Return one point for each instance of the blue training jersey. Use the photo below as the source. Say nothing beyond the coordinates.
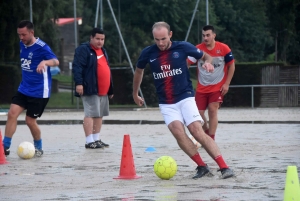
(170, 71)
(35, 84)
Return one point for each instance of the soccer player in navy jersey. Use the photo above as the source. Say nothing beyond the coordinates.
(167, 60)
(35, 88)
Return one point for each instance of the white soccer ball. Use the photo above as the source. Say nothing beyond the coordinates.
(26, 150)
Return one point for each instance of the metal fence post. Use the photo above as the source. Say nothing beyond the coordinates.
(252, 97)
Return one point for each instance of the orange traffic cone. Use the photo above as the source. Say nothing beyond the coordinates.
(2, 155)
(127, 168)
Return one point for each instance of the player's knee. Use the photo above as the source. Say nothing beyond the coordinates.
(12, 114)
(201, 111)
(30, 121)
(213, 110)
(213, 106)
(195, 128)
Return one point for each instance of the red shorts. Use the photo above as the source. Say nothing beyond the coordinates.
(203, 99)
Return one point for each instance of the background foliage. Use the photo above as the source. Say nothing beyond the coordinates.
(248, 27)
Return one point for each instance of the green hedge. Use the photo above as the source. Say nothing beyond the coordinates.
(123, 87)
(245, 74)
(10, 78)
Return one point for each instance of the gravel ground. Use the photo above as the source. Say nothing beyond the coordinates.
(259, 153)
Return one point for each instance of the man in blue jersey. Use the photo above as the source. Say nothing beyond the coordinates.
(167, 60)
(34, 90)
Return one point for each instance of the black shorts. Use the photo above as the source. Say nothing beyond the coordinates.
(34, 106)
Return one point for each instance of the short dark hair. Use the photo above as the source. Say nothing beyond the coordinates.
(208, 27)
(27, 24)
(97, 31)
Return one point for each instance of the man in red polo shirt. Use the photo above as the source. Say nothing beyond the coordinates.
(91, 68)
(211, 87)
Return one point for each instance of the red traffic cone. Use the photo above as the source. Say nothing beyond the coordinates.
(127, 168)
(2, 155)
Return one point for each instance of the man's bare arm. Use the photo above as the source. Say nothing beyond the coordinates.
(207, 62)
(42, 66)
(225, 88)
(207, 58)
(51, 62)
(231, 69)
(137, 80)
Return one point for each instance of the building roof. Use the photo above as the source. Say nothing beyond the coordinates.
(63, 21)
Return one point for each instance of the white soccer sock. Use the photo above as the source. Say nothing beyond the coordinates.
(89, 138)
(96, 136)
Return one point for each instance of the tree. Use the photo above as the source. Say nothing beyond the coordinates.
(44, 15)
(140, 16)
(248, 27)
(244, 27)
(293, 50)
(11, 12)
(282, 16)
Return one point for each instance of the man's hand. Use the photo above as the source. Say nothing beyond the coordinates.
(224, 89)
(41, 67)
(208, 67)
(138, 100)
(110, 96)
(79, 89)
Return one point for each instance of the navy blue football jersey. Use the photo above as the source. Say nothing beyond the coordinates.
(170, 71)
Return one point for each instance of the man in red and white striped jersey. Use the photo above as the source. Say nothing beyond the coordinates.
(212, 86)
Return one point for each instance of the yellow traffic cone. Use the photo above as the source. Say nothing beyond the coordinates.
(292, 187)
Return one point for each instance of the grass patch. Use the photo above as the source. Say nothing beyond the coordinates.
(63, 100)
(194, 83)
(63, 78)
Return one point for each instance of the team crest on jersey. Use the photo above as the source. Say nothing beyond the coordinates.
(175, 55)
(218, 51)
(30, 55)
(25, 64)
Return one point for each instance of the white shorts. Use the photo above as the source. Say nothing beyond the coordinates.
(95, 106)
(185, 111)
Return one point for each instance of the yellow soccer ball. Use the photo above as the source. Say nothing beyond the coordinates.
(165, 167)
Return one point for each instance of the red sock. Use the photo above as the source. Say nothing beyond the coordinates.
(210, 135)
(197, 159)
(220, 161)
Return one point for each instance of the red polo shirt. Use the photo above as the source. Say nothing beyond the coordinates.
(103, 73)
